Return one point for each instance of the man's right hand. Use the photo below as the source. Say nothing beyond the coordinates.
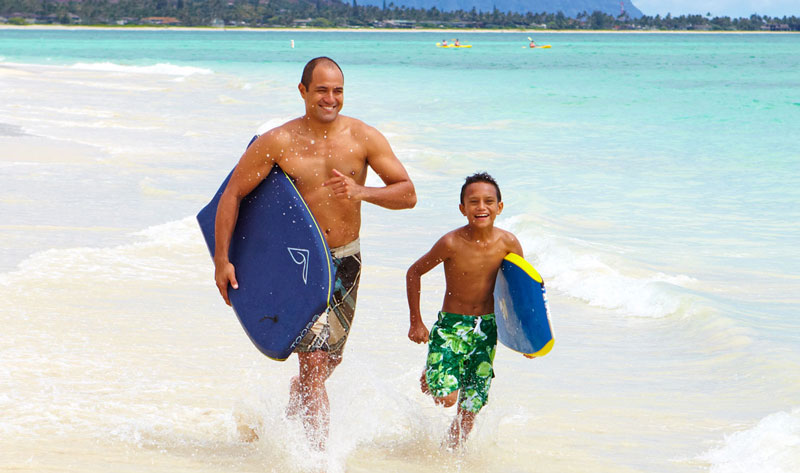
(225, 275)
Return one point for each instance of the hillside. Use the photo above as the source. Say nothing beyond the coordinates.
(571, 8)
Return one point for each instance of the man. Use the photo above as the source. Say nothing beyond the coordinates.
(327, 155)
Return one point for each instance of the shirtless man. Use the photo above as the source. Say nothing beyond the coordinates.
(327, 155)
(462, 342)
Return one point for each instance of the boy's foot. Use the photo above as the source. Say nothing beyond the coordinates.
(423, 384)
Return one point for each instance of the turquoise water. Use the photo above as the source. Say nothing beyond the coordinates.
(653, 179)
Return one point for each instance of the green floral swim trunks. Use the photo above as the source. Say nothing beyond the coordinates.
(460, 355)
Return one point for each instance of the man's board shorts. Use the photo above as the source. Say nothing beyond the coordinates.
(329, 332)
(460, 355)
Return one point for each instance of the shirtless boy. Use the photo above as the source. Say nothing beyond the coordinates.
(462, 342)
(327, 155)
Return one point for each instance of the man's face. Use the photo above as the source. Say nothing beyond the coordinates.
(480, 204)
(325, 94)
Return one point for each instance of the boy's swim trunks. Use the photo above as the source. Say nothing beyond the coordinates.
(329, 332)
(460, 355)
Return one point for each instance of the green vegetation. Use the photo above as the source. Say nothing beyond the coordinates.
(334, 13)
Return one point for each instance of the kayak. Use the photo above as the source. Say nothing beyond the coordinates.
(453, 45)
(545, 46)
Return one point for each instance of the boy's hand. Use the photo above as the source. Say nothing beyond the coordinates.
(418, 333)
(529, 356)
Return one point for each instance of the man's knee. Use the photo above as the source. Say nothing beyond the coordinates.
(334, 361)
(312, 364)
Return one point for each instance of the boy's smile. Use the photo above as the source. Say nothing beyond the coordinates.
(481, 206)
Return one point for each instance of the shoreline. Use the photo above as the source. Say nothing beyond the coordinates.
(376, 30)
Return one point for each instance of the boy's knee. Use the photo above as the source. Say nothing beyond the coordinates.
(447, 401)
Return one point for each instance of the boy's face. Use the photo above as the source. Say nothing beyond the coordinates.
(480, 204)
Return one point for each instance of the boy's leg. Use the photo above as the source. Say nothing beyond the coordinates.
(443, 366)
(460, 427)
(446, 401)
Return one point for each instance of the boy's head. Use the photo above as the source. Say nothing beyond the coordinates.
(480, 177)
(480, 200)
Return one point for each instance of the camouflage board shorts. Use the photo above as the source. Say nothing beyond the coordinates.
(460, 356)
(329, 333)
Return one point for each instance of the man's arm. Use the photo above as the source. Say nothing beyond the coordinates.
(253, 167)
(417, 332)
(398, 193)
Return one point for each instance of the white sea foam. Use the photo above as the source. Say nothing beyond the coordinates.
(160, 68)
(167, 252)
(270, 124)
(771, 446)
(600, 278)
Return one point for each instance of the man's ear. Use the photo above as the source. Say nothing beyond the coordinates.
(302, 90)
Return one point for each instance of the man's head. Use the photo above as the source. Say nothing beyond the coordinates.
(322, 89)
(481, 201)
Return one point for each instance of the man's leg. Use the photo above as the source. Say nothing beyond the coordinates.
(308, 396)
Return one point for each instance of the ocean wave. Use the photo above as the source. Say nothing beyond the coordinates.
(600, 278)
(160, 68)
(170, 252)
(771, 446)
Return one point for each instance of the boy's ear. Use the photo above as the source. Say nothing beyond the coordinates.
(462, 209)
(499, 207)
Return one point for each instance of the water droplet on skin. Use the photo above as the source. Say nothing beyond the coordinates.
(312, 142)
(351, 150)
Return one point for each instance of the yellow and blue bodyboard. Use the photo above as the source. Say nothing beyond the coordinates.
(520, 306)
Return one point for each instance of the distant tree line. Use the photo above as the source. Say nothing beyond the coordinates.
(334, 13)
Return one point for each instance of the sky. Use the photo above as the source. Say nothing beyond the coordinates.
(731, 8)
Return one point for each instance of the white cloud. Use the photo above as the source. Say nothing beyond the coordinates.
(731, 8)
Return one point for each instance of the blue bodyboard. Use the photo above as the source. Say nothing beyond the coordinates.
(283, 264)
(520, 306)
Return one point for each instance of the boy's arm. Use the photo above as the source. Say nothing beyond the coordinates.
(417, 332)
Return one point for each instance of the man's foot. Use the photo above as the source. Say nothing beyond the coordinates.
(246, 432)
(296, 406)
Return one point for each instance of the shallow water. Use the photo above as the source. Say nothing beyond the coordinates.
(652, 180)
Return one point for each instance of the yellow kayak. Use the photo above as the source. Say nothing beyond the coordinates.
(546, 46)
(440, 45)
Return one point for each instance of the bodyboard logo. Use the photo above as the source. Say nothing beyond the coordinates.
(300, 256)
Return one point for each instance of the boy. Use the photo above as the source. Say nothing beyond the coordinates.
(462, 342)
